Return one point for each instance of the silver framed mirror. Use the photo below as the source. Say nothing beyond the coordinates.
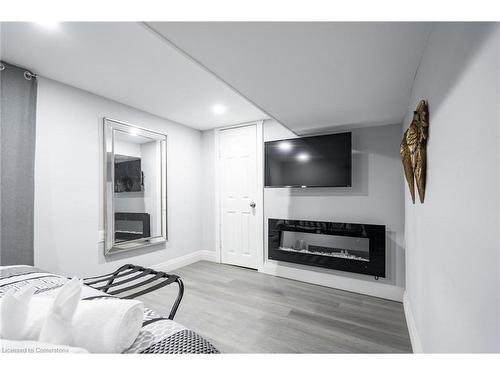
(135, 187)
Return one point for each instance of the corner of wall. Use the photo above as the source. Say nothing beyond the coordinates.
(416, 344)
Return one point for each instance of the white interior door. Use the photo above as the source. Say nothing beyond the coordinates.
(238, 191)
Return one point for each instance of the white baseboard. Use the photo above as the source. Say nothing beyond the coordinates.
(416, 344)
(186, 260)
(386, 291)
(210, 256)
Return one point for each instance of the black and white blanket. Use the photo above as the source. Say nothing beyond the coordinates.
(158, 334)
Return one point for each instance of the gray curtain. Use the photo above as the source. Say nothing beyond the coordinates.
(17, 163)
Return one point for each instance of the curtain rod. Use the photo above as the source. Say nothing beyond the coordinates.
(27, 74)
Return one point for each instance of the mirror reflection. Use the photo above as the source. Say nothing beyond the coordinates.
(136, 191)
(137, 187)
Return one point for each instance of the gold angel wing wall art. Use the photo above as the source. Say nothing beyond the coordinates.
(421, 152)
(420, 171)
(404, 151)
(413, 151)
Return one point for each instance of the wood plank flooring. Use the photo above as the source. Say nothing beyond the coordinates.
(243, 311)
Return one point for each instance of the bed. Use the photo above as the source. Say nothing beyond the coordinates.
(159, 334)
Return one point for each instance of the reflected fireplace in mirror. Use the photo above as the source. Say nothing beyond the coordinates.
(132, 226)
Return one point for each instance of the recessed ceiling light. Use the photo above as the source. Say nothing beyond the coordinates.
(219, 109)
(303, 156)
(50, 25)
(285, 146)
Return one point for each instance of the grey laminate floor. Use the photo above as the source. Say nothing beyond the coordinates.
(243, 311)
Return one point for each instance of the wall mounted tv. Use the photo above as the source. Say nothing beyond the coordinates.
(320, 161)
(128, 174)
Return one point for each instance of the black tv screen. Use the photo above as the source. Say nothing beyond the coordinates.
(128, 174)
(320, 161)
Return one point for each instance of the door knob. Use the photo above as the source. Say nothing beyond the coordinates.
(252, 204)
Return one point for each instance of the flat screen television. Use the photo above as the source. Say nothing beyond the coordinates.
(128, 174)
(320, 161)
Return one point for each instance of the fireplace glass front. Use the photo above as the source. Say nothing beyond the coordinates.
(350, 247)
(354, 248)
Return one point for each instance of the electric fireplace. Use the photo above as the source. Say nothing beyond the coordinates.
(358, 248)
(132, 226)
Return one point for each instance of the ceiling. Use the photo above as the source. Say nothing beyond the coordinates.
(311, 76)
(129, 63)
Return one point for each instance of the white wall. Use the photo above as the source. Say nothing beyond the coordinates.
(376, 197)
(452, 243)
(68, 182)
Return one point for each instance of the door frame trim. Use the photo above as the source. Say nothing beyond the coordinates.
(259, 193)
